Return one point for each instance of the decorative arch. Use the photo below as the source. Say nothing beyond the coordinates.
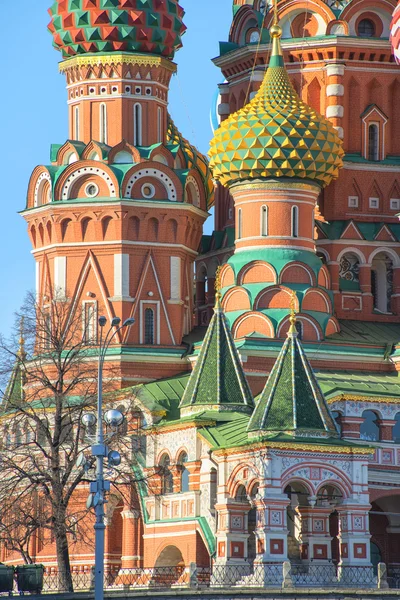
(236, 298)
(43, 188)
(86, 169)
(234, 481)
(172, 230)
(39, 175)
(253, 322)
(162, 155)
(244, 19)
(297, 272)
(318, 300)
(124, 147)
(389, 251)
(324, 277)
(227, 275)
(274, 297)
(352, 250)
(193, 187)
(67, 154)
(311, 329)
(92, 150)
(332, 326)
(257, 271)
(161, 173)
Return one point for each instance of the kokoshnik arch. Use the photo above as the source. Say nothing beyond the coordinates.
(272, 411)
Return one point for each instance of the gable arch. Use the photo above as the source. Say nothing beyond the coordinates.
(227, 275)
(253, 322)
(124, 147)
(40, 174)
(244, 19)
(257, 271)
(275, 296)
(92, 151)
(162, 155)
(236, 298)
(43, 189)
(157, 171)
(324, 277)
(332, 326)
(67, 154)
(87, 169)
(311, 329)
(194, 190)
(297, 272)
(318, 300)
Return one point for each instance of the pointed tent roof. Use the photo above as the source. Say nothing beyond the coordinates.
(292, 401)
(217, 381)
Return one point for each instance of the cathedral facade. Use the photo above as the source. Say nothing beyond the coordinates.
(271, 407)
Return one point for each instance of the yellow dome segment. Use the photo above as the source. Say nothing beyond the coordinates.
(276, 134)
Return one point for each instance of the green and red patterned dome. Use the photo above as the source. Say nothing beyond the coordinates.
(94, 26)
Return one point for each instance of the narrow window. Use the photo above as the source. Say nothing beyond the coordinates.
(373, 142)
(103, 123)
(295, 221)
(159, 124)
(137, 125)
(264, 220)
(149, 326)
(240, 224)
(89, 323)
(184, 472)
(76, 123)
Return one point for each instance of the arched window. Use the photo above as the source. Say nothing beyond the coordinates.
(264, 220)
(103, 123)
(167, 481)
(240, 224)
(149, 326)
(159, 124)
(18, 435)
(183, 458)
(76, 123)
(241, 495)
(382, 282)
(299, 329)
(137, 125)
(295, 221)
(369, 429)
(373, 142)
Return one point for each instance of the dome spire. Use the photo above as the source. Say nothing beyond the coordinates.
(276, 35)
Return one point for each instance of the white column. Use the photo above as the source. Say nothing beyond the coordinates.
(121, 276)
(60, 276)
(175, 278)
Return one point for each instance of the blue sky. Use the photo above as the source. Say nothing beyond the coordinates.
(34, 113)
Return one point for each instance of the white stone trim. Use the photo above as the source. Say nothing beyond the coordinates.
(157, 174)
(334, 111)
(332, 70)
(335, 89)
(95, 172)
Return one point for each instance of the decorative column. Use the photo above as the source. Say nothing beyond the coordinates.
(354, 537)
(335, 93)
(130, 539)
(272, 532)
(365, 287)
(386, 429)
(315, 536)
(232, 535)
(351, 427)
(396, 291)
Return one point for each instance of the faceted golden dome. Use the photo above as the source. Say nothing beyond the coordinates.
(276, 134)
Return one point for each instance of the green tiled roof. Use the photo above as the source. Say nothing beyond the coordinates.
(163, 395)
(334, 229)
(218, 379)
(292, 400)
(336, 383)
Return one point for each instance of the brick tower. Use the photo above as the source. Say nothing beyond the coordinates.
(116, 219)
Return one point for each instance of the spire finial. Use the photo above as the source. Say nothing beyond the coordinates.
(217, 286)
(21, 350)
(276, 34)
(292, 318)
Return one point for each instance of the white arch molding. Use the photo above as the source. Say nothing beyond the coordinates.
(45, 176)
(352, 250)
(391, 253)
(162, 177)
(191, 182)
(76, 175)
(299, 318)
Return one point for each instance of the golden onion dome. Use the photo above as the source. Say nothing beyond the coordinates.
(276, 134)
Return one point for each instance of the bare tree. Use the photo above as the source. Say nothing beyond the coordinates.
(51, 382)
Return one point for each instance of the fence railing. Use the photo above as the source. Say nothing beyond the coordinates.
(256, 576)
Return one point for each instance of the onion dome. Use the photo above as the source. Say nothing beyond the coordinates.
(395, 33)
(91, 26)
(194, 158)
(276, 134)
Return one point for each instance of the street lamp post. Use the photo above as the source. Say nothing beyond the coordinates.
(100, 486)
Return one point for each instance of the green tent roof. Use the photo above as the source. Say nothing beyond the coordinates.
(218, 380)
(292, 400)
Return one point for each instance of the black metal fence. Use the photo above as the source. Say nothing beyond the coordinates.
(230, 576)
